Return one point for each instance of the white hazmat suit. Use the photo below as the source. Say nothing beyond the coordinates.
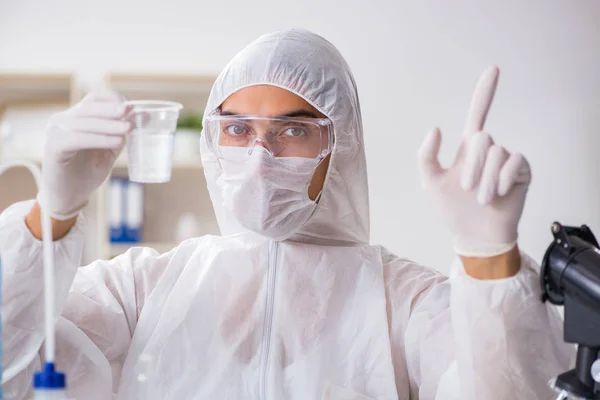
(322, 315)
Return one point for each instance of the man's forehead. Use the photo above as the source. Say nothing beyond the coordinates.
(266, 101)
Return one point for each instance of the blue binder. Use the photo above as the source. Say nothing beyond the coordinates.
(126, 210)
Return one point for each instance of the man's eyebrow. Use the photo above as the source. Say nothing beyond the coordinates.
(291, 114)
(299, 113)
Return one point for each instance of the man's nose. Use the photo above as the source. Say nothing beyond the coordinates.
(258, 141)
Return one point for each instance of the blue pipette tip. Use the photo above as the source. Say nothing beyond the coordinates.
(49, 378)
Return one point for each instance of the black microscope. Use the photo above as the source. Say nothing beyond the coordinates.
(570, 276)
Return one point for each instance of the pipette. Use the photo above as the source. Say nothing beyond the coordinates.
(49, 384)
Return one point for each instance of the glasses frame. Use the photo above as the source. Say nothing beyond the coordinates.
(320, 122)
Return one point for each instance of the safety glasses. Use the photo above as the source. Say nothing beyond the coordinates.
(281, 137)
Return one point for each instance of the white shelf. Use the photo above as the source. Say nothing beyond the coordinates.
(170, 82)
(35, 88)
(190, 90)
(120, 248)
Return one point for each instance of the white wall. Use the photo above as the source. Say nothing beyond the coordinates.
(415, 64)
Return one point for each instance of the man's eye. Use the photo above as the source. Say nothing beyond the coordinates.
(235, 129)
(295, 132)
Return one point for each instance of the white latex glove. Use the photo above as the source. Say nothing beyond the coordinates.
(481, 196)
(82, 145)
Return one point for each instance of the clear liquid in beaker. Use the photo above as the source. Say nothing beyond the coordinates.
(150, 155)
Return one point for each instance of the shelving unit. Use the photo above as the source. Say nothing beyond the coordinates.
(164, 203)
(19, 88)
(26, 101)
(190, 90)
(31, 99)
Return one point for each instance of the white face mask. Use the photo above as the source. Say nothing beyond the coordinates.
(267, 195)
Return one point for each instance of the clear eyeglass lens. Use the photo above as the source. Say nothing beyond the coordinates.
(282, 137)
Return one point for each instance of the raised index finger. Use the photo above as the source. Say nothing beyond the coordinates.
(481, 101)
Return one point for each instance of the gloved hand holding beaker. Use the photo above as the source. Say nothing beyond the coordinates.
(82, 144)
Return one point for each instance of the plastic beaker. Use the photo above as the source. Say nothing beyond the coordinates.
(150, 142)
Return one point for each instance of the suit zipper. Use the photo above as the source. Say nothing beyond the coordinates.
(268, 324)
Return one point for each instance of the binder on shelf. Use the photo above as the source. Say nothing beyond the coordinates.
(134, 212)
(126, 211)
(115, 210)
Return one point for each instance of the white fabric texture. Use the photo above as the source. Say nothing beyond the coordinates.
(323, 315)
(267, 195)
